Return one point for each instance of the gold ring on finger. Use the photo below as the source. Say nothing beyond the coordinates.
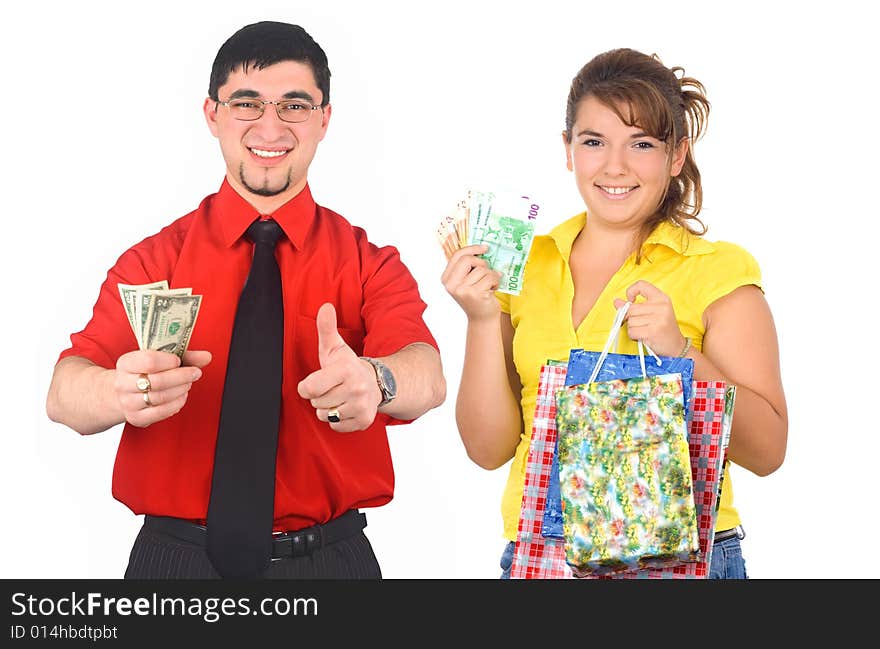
(143, 383)
(147, 399)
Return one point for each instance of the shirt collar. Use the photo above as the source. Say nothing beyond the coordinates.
(679, 239)
(666, 234)
(565, 233)
(235, 215)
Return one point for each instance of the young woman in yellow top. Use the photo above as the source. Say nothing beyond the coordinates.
(630, 127)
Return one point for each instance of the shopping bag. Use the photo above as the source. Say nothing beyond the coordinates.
(538, 557)
(624, 471)
(535, 557)
(581, 365)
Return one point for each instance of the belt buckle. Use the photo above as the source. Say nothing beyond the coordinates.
(298, 544)
(304, 542)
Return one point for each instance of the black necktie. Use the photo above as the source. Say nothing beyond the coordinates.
(240, 512)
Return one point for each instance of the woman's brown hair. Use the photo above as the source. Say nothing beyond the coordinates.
(645, 93)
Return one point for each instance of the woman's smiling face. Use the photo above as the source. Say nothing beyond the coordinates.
(621, 172)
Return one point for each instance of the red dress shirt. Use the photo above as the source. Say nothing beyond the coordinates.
(165, 469)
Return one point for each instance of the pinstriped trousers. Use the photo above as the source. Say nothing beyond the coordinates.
(160, 556)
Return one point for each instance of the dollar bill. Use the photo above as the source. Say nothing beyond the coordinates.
(129, 294)
(161, 318)
(170, 322)
(142, 303)
(506, 224)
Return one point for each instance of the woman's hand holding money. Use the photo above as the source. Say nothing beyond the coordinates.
(471, 283)
(151, 385)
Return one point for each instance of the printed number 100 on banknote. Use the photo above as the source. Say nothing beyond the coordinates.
(505, 223)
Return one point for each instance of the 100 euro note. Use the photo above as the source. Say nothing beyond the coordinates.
(506, 224)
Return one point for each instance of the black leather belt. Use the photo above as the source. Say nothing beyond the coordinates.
(289, 544)
(737, 531)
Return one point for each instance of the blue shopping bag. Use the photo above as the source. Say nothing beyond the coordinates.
(582, 368)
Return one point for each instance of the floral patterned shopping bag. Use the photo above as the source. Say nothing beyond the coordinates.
(538, 557)
(625, 478)
(624, 471)
(581, 365)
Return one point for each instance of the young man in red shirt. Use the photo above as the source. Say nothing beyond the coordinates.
(357, 355)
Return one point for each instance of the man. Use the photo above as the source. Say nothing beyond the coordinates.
(353, 353)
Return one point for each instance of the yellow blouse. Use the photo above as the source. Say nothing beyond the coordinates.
(693, 272)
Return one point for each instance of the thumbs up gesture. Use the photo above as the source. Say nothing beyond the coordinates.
(345, 387)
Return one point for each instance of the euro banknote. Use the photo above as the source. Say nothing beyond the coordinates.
(503, 221)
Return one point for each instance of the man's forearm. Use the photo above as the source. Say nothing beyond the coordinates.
(420, 383)
(81, 396)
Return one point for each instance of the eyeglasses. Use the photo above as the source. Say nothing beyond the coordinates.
(249, 109)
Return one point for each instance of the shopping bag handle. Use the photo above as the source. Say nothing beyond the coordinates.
(614, 335)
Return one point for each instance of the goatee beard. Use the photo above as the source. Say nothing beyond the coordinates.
(264, 190)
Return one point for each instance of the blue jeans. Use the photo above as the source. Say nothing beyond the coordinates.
(727, 560)
(507, 559)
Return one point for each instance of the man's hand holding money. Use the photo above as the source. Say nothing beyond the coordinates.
(151, 385)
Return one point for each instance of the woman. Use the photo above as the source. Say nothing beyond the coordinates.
(630, 127)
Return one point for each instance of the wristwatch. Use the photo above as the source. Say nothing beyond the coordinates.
(385, 379)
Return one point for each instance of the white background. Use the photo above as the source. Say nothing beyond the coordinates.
(104, 143)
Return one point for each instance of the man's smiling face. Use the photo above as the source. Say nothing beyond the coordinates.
(267, 159)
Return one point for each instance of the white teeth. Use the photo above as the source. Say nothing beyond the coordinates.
(268, 154)
(618, 190)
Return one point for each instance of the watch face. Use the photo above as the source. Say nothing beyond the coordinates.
(388, 381)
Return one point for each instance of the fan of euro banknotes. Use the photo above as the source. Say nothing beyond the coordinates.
(161, 318)
(503, 221)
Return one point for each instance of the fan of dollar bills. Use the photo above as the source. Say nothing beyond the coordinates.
(503, 221)
(161, 318)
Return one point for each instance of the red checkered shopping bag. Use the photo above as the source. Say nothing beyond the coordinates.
(536, 557)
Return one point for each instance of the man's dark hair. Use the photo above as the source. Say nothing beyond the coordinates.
(266, 43)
